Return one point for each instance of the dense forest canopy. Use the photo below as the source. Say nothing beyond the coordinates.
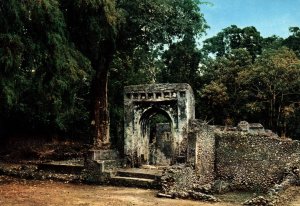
(64, 63)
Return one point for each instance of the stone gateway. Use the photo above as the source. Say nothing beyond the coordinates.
(176, 103)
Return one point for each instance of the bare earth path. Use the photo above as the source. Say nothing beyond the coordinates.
(296, 202)
(290, 197)
(48, 193)
(25, 192)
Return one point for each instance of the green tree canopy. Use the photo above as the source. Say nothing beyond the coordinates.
(293, 41)
(44, 74)
(234, 37)
(181, 62)
(221, 93)
(126, 34)
(273, 85)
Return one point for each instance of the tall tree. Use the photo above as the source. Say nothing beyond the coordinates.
(222, 92)
(293, 41)
(125, 33)
(42, 72)
(181, 62)
(272, 42)
(234, 37)
(93, 28)
(273, 85)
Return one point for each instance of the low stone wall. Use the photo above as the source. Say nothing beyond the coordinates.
(254, 161)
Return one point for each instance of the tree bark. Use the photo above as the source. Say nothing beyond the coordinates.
(101, 112)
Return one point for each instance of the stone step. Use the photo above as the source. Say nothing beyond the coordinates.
(134, 182)
(60, 168)
(138, 174)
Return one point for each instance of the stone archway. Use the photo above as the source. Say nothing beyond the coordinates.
(159, 147)
(141, 102)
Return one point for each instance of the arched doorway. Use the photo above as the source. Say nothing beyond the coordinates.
(156, 126)
(143, 105)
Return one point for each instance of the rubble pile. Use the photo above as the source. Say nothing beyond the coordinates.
(181, 182)
(273, 195)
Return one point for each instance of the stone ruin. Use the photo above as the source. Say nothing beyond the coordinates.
(197, 159)
(245, 157)
(141, 102)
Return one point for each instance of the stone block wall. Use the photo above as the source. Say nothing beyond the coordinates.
(254, 161)
(201, 150)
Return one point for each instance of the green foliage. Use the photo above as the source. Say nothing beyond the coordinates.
(266, 90)
(44, 77)
(247, 77)
(153, 22)
(51, 51)
(181, 62)
(293, 41)
(272, 42)
(234, 38)
(11, 51)
(273, 83)
(92, 26)
(221, 95)
(146, 29)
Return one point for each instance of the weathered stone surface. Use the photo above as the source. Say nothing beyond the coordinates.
(259, 201)
(181, 181)
(243, 126)
(32, 172)
(102, 154)
(141, 102)
(254, 161)
(94, 172)
(201, 150)
(220, 187)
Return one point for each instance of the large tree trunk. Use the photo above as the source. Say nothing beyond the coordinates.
(100, 113)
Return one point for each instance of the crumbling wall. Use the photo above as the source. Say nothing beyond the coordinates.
(254, 161)
(180, 181)
(201, 150)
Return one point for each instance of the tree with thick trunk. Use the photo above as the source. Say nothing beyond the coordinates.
(92, 25)
(100, 113)
(103, 28)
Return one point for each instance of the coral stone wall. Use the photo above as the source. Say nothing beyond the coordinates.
(201, 150)
(254, 161)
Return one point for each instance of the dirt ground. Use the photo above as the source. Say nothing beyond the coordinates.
(50, 193)
(32, 192)
(15, 191)
(291, 196)
(296, 202)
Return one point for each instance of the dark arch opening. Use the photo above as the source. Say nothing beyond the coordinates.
(156, 126)
(148, 115)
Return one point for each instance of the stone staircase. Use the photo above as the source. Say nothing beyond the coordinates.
(104, 166)
(136, 177)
